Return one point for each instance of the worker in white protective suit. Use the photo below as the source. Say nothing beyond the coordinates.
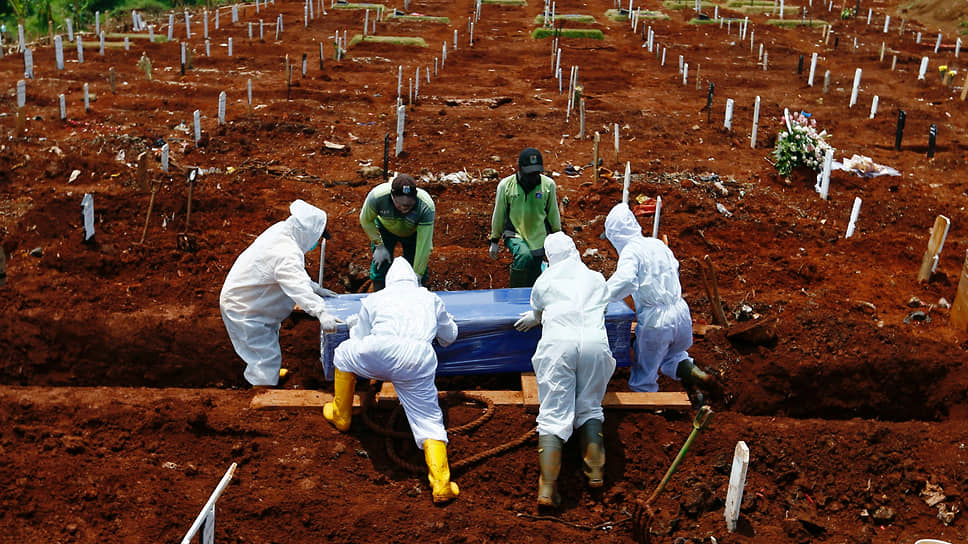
(649, 272)
(267, 280)
(572, 363)
(390, 340)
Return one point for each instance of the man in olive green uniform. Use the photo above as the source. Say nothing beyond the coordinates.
(397, 211)
(525, 211)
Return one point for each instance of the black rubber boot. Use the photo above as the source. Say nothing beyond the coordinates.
(549, 457)
(697, 382)
(593, 451)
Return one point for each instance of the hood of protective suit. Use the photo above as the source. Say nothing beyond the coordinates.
(307, 223)
(621, 226)
(558, 247)
(401, 274)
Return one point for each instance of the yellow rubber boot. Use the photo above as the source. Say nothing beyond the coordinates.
(435, 453)
(340, 411)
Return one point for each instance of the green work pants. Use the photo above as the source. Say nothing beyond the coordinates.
(525, 268)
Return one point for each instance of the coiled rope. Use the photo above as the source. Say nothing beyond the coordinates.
(390, 434)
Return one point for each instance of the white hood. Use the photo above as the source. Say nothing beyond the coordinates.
(621, 226)
(401, 274)
(558, 247)
(306, 224)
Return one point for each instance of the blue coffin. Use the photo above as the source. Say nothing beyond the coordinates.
(487, 342)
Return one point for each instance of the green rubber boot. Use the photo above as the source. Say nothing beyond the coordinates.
(549, 457)
(593, 451)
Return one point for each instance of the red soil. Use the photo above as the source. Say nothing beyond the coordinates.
(124, 402)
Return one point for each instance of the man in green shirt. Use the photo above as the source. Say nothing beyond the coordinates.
(397, 211)
(525, 211)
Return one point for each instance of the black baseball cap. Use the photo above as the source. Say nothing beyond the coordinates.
(404, 187)
(529, 161)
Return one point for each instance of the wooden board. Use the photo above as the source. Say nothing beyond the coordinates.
(627, 400)
(300, 398)
(938, 234)
(529, 391)
(959, 310)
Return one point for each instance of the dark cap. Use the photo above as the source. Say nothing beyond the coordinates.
(404, 186)
(529, 161)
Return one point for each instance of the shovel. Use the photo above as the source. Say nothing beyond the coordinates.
(186, 241)
(642, 514)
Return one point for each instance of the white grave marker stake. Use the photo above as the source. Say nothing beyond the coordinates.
(21, 93)
(249, 88)
(625, 184)
(230, 47)
(221, 107)
(957, 47)
(870, 12)
(728, 123)
(97, 22)
(401, 116)
(164, 157)
(655, 219)
(924, 68)
(874, 106)
(824, 186)
(853, 93)
(20, 35)
(80, 50)
(205, 24)
(615, 127)
(87, 208)
(197, 118)
(937, 44)
(756, 120)
(87, 99)
(127, 45)
(235, 13)
(62, 101)
(70, 29)
(887, 23)
(101, 47)
(216, 19)
(854, 213)
(59, 52)
(685, 73)
(917, 40)
(813, 69)
(171, 26)
(151, 33)
(737, 481)
(206, 518)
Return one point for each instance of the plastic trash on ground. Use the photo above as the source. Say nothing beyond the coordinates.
(863, 166)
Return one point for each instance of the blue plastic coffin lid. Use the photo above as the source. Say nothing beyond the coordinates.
(487, 342)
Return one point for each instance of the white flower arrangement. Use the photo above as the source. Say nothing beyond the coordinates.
(799, 144)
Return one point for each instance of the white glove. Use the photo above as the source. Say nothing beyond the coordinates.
(327, 322)
(528, 321)
(493, 250)
(322, 291)
(381, 256)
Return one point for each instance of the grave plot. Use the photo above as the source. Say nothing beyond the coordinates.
(829, 306)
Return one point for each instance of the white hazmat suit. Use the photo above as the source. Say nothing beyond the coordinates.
(649, 272)
(573, 362)
(391, 341)
(263, 286)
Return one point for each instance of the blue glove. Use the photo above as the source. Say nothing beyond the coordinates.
(381, 256)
